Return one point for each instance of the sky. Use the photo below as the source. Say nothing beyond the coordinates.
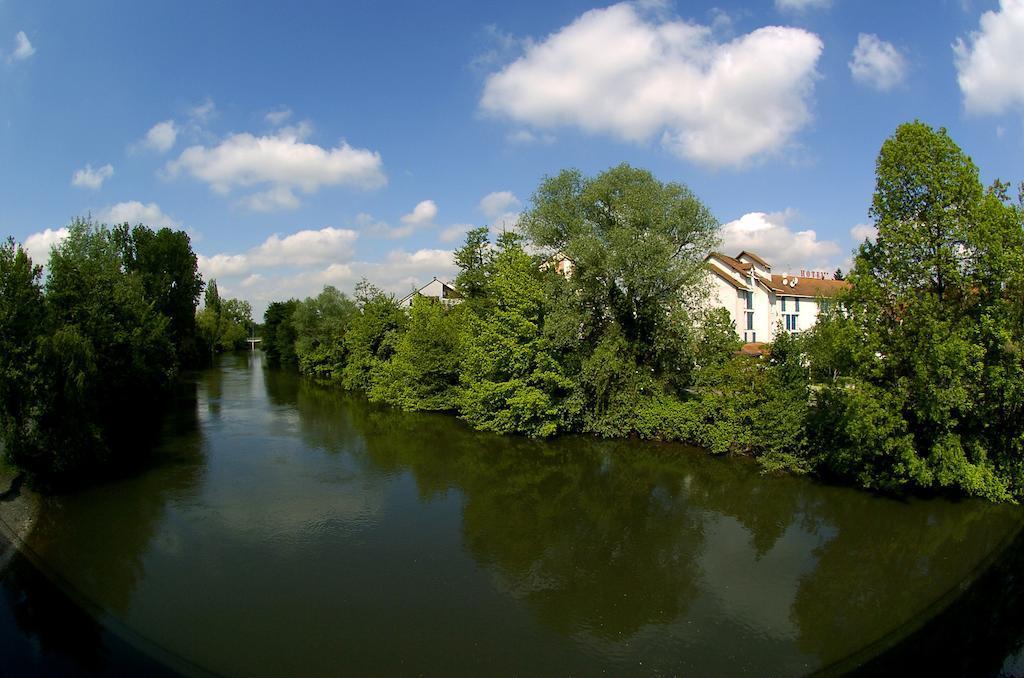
(314, 143)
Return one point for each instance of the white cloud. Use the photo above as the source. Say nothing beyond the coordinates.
(493, 205)
(302, 248)
(161, 136)
(23, 48)
(87, 177)
(620, 72)
(278, 116)
(423, 213)
(300, 264)
(272, 199)
(134, 212)
(769, 235)
(801, 5)
(989, 64)
(862, 232)
(38, 245)
(202, 113)
(454, 232)
(525, 137)
(282, 161)
(877, 63)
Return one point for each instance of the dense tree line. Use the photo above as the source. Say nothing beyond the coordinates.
(912, 380)
(87, 353)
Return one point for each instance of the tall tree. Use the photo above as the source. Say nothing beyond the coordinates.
(924, 355)
(169, 271)
(638, 247)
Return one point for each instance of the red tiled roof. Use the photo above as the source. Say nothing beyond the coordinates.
(808, 287)
(732, 263)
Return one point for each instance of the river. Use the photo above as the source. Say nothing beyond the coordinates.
(285, 528)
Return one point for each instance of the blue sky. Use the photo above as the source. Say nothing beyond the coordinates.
(313, 144)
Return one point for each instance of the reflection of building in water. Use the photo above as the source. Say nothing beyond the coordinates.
(435, 289)
(760, 302)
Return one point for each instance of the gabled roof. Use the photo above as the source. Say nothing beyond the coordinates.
(756, 258)
(734, 264)
(447, 291)
(729, 279)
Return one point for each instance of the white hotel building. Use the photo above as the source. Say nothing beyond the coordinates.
(760, 302)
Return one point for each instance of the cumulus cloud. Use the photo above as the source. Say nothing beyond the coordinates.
(134, 212)
(454, 232)
(769, 235)
(877, 63)
(634, 75)
(271, 200)
(87, 177)
(862, 232)
(283, 162)
(161, 136)
(23, 48)
(38, 245)
(302, 248)
(988, 64)
(423, 213)
(801, 5)
(493, 205)
(300, 264)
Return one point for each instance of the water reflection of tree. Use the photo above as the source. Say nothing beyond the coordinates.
(881, 565)
(601, 537)
(98, 537)
(605, 538)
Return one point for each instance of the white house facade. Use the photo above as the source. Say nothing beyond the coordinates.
(435, 289)
(761, 302)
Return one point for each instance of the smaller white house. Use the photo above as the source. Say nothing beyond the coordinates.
(435, 289)
(760, 302)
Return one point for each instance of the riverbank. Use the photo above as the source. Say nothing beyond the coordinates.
(19, 509)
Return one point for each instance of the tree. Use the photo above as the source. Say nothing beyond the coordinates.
(169, 271)
(320, 324)
(96, 366)
(223, 324)
(922, 358)
(279, 333)
(372, 337)
(510, 381)
(473, 260)
(638, 246)
(423, 374)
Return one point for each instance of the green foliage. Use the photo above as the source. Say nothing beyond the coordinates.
(320, 324)
(473, 260)
(223, 324)
(93, 350)
(372, 337)
(279, 333)
(168, 269)
(510, 381)
(637, 246)
(921, 364)
(423, 374)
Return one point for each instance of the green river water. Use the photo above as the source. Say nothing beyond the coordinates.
(285, 528)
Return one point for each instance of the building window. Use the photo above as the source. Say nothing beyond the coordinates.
(792, 322)
(783, 304)
(796, 305)
(750, 321)
(750, 300)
